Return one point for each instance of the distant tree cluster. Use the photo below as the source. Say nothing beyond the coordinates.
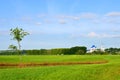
(113, 50)
(78, 50)
(108, 51)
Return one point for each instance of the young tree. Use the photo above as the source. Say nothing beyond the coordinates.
(18, 34)
(12, 47)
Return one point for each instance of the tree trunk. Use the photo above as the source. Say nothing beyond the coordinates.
(19, 46)
(19, 52)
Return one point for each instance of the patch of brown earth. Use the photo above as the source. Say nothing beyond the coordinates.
(49, 64)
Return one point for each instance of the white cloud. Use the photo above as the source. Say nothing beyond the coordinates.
(38, 23)
(96, 35)
(47, 21)
(92, 34)
(89, 35)
(112, 17)
(75, 18)
(88, 15)
(81, 15)
(68, 17)
(62, 21)
(113, 20)
(113, 14)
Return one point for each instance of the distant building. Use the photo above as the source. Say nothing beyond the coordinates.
(102, 49)
(92, 49)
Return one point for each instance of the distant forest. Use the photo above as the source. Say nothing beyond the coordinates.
(77, 50)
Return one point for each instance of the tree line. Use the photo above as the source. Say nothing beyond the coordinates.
(77, 50)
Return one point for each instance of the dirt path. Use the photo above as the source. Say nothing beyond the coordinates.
(49, 64)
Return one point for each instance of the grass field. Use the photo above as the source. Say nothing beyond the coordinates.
(107, 71)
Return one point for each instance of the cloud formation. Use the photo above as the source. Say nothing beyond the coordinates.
(113, 14)
(96, 35)
(75, 17)
(93, 34)
(38, 23)
(62, 21)
(88, 15)
(110, 17)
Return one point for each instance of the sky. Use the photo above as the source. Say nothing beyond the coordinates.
(61, 23)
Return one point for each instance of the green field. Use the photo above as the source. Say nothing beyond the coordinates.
(107, 71)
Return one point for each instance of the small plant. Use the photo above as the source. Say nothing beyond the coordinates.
(12, 47)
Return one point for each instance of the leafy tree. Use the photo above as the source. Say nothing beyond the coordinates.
(18, 34)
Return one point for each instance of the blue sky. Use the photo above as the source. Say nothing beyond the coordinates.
(61, 23)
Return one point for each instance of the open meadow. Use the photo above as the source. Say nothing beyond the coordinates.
(103, 71)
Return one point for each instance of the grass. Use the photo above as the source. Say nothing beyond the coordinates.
(109, 71)
(46, 58)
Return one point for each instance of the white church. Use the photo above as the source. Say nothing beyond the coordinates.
(94, 48)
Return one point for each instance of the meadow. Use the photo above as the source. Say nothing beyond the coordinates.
(106, 71)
